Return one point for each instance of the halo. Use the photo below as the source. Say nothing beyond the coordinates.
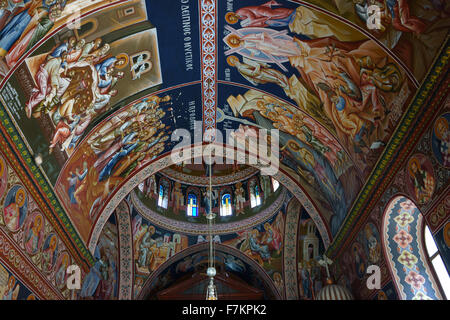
(2, 167)
(122, 56)
(413, 160)
(229, 38)
(231, 60)
(231, 18)
(446, 234)
(438, 122)
(20, 192)
(41, 223)
(294, 145)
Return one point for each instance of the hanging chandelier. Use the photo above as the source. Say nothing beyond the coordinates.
(211, 291)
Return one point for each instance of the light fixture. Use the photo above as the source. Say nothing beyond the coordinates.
(211, 291)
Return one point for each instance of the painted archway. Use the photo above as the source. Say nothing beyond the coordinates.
(404, 251)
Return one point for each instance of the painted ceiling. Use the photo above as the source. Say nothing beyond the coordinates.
(92, 91)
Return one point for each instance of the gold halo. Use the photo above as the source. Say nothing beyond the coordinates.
(231, 18)
(41, 223)
(446, 233)
(20, 192)
(294, 145)
(232, 45)
(122, 56)
(230, 60)
(413, 160)
(2, 167)
(439, 121)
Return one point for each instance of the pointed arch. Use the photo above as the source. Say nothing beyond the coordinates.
(403, 248)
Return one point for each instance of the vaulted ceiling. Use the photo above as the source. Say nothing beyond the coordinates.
(92, 94)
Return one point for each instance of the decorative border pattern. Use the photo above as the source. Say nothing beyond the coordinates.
(415, 120)
(47, 199)
(217, 181)
(290, 250)
(14, 259)
(202, 229)
(165, 161)
(402, 244)
(209, 62)
(126, 277)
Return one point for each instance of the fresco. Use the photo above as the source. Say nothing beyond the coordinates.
(310, 249)
(97, 100)
(35, 237)
(46, 93)
(12, 288)
(421, 180)
(441, 140)
(197, 262)
(178, 199)
(25, 23)
(101, 283)
(412, 30)
(263, 244)
(111, 153)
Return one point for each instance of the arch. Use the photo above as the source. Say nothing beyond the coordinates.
(192, 207)
(226, 200)
(403, 248)
(201, 247)
(166, 160)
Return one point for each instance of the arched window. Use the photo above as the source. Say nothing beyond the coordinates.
(404, 251)
(163, 197)
(275, 184)
(141, 186)
(225, 207)
(192, 207)
(255, 196)
(437, 262)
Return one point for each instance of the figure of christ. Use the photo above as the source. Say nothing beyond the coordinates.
(257, 72)
(51, 83)
(263, 15)
(263, 42)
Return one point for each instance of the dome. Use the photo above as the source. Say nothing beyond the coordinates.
(334, 292)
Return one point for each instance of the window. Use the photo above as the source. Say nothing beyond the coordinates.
(436, 261)
(192, 207)
(163, 197)
(275, 184)
(225, 208)
(255, 197)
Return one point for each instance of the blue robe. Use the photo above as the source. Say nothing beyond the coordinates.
(107, 170)
(13, 30)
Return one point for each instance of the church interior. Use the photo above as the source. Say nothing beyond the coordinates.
(224, 150)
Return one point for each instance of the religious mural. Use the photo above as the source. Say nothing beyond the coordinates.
(12, 288)
(95, 101)
(412, 30)
(101, 283)
(30, 230)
